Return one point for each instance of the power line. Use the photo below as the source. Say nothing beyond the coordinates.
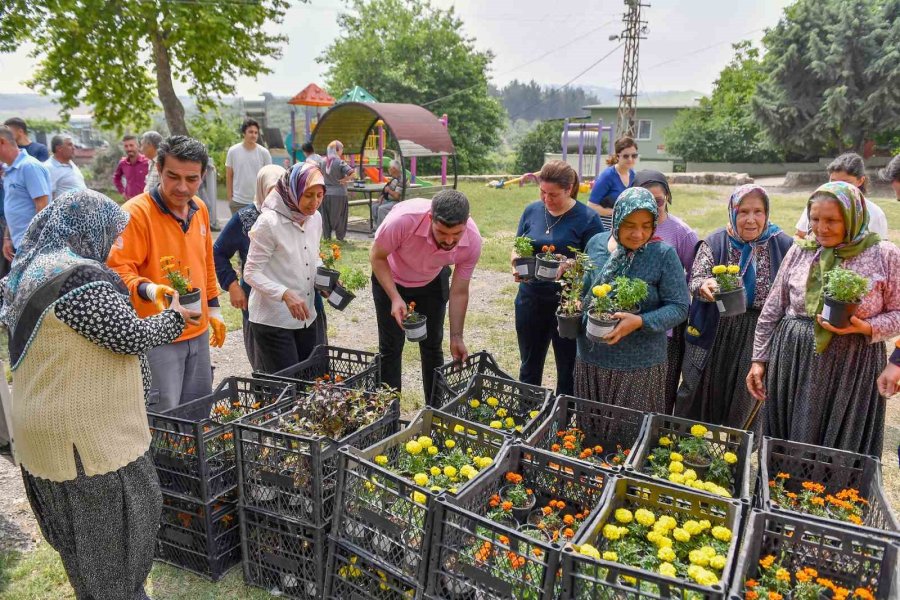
(699, 50)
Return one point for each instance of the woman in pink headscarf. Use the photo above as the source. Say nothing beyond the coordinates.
(335, 207)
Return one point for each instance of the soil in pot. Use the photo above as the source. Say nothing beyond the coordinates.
(340, 297)
(547, 267)
(525, 267)
(597, 327)
(416, 331)
(190, 301)
(520, 514)
(731, 303)
(326, 279)
(568, 325)
(838, 313)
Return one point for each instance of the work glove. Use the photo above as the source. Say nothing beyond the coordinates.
(157, 293)
(217, 337)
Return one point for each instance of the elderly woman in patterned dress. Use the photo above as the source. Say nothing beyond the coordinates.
(630, 369)
(79, 383)
(717, 359)
(821, 381)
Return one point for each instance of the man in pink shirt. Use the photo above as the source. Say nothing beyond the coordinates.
(411, 258)
(133, 167)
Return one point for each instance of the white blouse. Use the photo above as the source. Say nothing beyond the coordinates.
(283, 255)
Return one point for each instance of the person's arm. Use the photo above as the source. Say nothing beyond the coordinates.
(599, 191)
(41, 202)
(267, 157)
(459, 303)
(117, 178)
(673, 297)
(890, 377)
(395, 193)
(701, 281)
(229, 183)
(886, 324)
(378, 258)
(37, 184)
(688, 250)
(227, 245)
(347, 172)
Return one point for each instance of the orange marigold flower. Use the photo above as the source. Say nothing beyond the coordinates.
(513, 478)
(767, 562)
(569, 446)
(537, 552)
(568, 519)
(854, 519)
(751, 583)
(783, 575)
(503, 540)
(812, 486)
(782, 476)
(775, 596)
(507, 505)
(750, 595)
(818, 501)
(863, 594)
(547, 510)
(555, 447)
(560, 505)
(494, 502)
(568, 533)
(598, 449)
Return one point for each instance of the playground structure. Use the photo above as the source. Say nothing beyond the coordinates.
(588, 135)
(312, 96)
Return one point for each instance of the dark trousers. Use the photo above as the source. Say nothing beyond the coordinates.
(431, 301)
(278, 348)
(536, 329)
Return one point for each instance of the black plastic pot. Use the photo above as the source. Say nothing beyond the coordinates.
(326, 279)
(598, 327)
(547, 268)
(731, 303)
(340, 298)
(569, 325)
(838, 313)
(519, 514)
(417, 331)
(190, 301)
(525, 267)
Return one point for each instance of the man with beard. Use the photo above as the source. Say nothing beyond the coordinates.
(411, 258)
(133, 167)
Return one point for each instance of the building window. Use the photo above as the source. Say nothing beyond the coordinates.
(644, 129)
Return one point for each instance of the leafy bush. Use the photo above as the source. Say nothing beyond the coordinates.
(845, 285)
(530, 151)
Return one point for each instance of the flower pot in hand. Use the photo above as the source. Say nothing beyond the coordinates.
(838, 313)
(600, 326)
(731, 304)
(525, 267)
(569, 325)
(416, 328)
(326, 279)
(190, 301)
(340, 297)
(547, 267)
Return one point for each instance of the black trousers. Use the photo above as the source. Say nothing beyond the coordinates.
(431, 301)
(536, 329)
(278, 348)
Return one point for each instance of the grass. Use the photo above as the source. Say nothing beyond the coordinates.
(39, 574)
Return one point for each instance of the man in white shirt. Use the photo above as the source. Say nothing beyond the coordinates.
(150, 142)
(65, 176)
(242, 163)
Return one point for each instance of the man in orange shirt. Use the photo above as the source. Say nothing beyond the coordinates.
(170, 221)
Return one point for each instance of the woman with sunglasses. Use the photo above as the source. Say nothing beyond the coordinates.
(614, 180)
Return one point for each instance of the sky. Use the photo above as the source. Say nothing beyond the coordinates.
(688, 42)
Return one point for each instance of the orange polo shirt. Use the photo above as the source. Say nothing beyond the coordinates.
(151, 234)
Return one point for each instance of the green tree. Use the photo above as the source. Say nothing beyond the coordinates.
(411, 52)
(530, 150)
(833, 75)
(118, 57)
(722, 128)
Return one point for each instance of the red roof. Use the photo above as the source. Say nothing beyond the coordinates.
(312, 95)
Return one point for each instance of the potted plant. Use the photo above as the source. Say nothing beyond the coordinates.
(521, 498)
(569, 315)
(351, 280)
(844, 290)
(625, 295)
(326, 275)
(730, 297)
(415, 324)
(548, 262)
(188, 295)
(524, 263)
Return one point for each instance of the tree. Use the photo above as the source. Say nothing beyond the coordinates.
(722, 128)
(832, 75)
(408, 51)
(119, 56)
(546, 137)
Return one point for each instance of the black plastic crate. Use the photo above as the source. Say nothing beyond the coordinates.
(357, 575)
(388, 515)
(202, 538)
(525, 404)
(721, 440)
(475, 556)
(834, 469)
(294, 476)
(605, 425)
(584, 577)
(282, 556)
(850, 559)
(192, 445)
(352, 368)
(451, 378)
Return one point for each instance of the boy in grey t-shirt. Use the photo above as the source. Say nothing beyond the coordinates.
(242, 163)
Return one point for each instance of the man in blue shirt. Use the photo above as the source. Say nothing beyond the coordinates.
(26, 187)
(20, 131)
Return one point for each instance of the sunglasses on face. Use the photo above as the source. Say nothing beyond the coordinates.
(635, 155)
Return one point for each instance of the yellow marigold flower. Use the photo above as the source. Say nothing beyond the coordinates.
(588, 550)
(705, 524)
(435, 471)
(734, 269)
(676, 457)
(425, 441)
(449, 444)
(474, 403)
(681, 535)
(719, 269)
(623, 515)
(486, 462)
(452, 490)
(665, 554)
(611, 532)
(418, 497)
(676, 478)
(717, 562)
(501, 412)
(381, 459)
(698, 558)
(676, 467)
(533, 414)
(692, 527)
(653, 536)
(698, 430)
(492, 401)
(610, 555)
(697, 484)
(644, 517)
(496, 424)
(421, 479)
(510, 422)
(690, 475)
(459, 429)
(664, 441)
(667, 569)
(432, 450)
(693, 331)
(783, 575)
(450, 471)
(413, 447)
(664, 542)
(666, 523)
(599, 291)
(730, 458)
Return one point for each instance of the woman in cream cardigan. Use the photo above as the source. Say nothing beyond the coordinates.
(79, 378)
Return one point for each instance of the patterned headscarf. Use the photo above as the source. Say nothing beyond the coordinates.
(333, 154)
(291, 187)
(857, 239)
(629, 201)
(266, 180)
(77, 229)
(747, 249)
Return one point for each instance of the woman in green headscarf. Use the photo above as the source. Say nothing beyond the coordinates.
(820, 381)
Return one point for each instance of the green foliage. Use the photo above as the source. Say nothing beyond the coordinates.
(532, 101)
(117, 57)
(103, 167)
(832, 75)
(630, 292)
(523, 246)
(422, 55)
(722, 128)
(353, 279)
(573, 283)
(218, 130)
(530, 151)
(845, 285)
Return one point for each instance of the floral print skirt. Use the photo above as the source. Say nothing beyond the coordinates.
(640, 389)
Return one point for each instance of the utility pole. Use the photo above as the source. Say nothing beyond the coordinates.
(635, 30)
